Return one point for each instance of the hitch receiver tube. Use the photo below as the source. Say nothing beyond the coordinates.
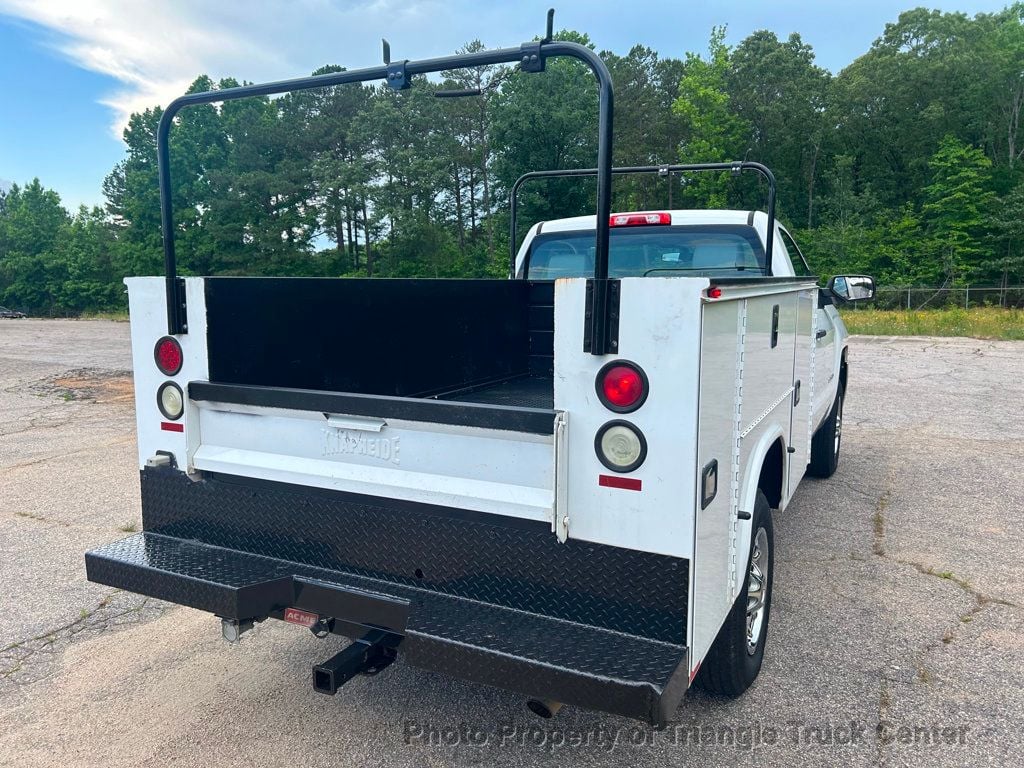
(368, 655)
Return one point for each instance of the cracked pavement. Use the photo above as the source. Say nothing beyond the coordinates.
(896, 638)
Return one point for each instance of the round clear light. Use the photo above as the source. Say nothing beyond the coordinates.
(621, 446)
(172, 403)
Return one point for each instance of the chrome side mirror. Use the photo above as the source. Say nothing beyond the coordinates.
(850, 288)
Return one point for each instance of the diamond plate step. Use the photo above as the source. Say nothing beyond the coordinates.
(517, 650)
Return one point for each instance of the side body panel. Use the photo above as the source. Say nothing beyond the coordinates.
(749, 364)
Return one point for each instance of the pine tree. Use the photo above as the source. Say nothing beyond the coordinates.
(956, 203)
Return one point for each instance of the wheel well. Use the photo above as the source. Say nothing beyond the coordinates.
(770, 481)
(842, 372)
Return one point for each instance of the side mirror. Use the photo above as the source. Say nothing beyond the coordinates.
(849, 288)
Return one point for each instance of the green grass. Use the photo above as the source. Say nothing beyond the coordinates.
(119, 317)
(979, 323)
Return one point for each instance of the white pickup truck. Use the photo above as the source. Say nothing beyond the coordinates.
(559, 484)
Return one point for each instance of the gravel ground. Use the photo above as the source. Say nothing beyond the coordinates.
(897, 629)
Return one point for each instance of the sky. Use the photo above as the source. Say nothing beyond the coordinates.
(72, 71)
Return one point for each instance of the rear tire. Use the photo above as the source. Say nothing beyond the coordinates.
(734, 660)
(827, 440)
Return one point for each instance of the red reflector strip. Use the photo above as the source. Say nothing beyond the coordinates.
(302, 618)
(626, 483)
(170, 426)
(695, 671)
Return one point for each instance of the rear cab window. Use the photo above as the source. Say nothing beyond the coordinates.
(721, 250)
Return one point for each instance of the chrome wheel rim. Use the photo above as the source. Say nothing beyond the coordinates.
(839, 425)
(757, 590)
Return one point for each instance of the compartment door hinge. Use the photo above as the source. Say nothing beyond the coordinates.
(560, 506)
(601, 317)
(177, 309)
(737, 440)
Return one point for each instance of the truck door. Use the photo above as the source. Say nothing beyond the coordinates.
(824, 358)
(824, 340)
(804, 383)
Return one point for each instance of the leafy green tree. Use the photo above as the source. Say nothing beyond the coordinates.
(133, 197)
(470, 122)
(92, 280)
(956, 204)
(32, 228)
(714, 132)
(906, 164)
(647, 131)
(999, 43)
(1006, 229)
(33, 219)
(341, 171)
(921, 80)
(547, 121)
(778, 91)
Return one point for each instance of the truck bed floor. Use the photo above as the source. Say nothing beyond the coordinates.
(523, 391)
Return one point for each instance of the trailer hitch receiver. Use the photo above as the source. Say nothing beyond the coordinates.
(366, 656)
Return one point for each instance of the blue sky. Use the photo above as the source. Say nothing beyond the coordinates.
(72, 70)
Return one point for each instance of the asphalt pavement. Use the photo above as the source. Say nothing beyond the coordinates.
(896, 637)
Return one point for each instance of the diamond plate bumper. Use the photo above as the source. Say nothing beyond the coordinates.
(532, 654)
(497, 601)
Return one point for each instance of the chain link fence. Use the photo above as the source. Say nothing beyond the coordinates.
(943, 297)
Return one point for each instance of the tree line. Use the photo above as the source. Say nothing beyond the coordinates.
(907, 165)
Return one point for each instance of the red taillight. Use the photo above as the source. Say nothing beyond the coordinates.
(638, 219)
(168, 356)
(714, 292)
(622, 387)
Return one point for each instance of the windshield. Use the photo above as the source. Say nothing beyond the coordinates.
(695, 251)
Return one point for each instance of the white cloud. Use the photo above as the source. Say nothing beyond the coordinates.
(155, 49)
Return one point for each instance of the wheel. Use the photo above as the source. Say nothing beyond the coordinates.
(735, 657)
(827, 440)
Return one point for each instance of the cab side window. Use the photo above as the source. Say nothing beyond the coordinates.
(800, 266)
